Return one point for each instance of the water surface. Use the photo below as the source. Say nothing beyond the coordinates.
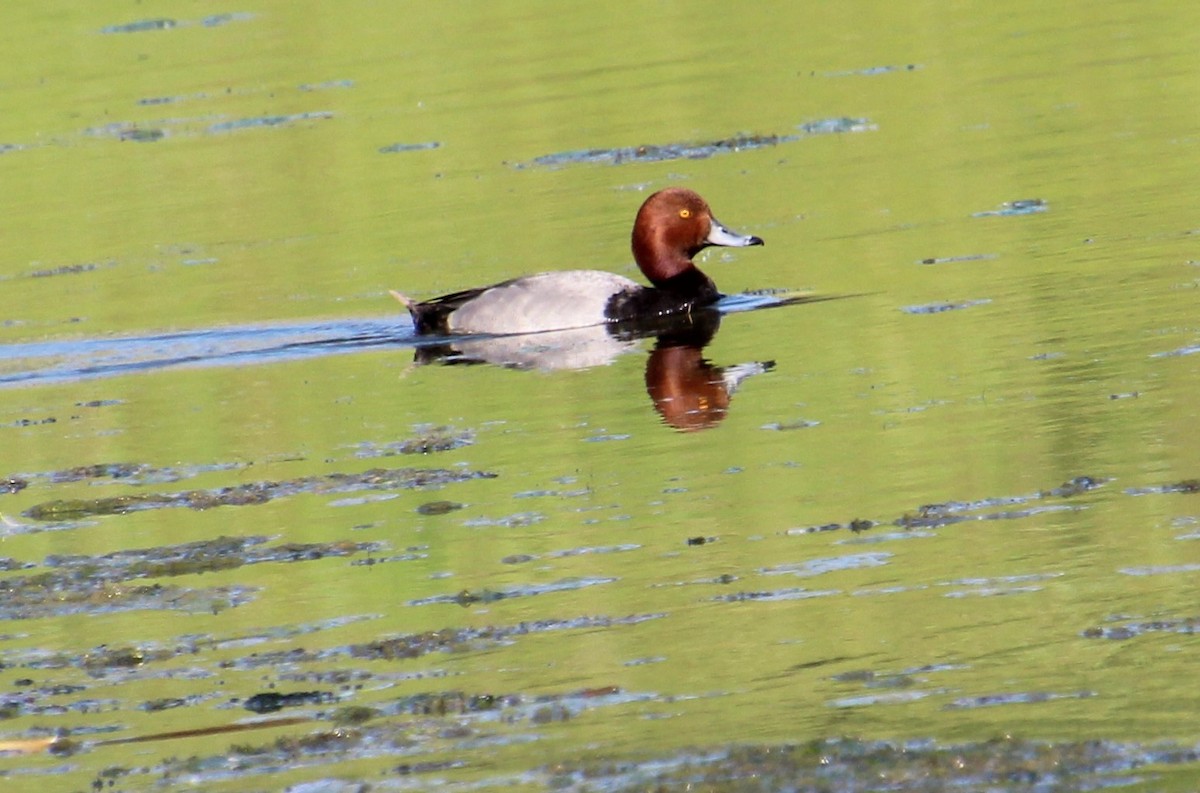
(253, 540)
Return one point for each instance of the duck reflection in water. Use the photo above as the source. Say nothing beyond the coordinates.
(687, 390)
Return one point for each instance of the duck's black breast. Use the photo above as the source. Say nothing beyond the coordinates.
(689, 290)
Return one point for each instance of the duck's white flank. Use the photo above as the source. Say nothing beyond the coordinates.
(558, 300)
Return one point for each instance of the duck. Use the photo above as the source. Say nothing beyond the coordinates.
(671, 227)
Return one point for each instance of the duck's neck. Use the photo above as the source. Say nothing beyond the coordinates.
(690, 284)
(661, 259)
(669, 266)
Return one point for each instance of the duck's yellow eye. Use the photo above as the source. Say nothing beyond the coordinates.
(685, 213)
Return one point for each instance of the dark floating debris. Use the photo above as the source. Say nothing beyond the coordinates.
(1024, 206)
(1073, 487)
(353, 715)
(126, 131)
(518, 558)
(272, 701)
(403, 726)
(82, 473)
(869, 678)
(169, 703)
(469, 598)
(114, 658)
(397, 148)
(1129, 629)
(27, 422)
(849, 765)
(415, 645)
(941, 308)
(13, 484)
(371, 561)
(204, 556)
(398, 727)
(696, 151)
(816, 529)
(930, 516)
(142, 135)
(428, 441)
(252, 493)
(126, 473)
(775, 595)
(1185, 486)
(438, 507)
(970, 257)
(66, 269)
(75, 584)
(933, 517)
(55, 594)
(141, 26)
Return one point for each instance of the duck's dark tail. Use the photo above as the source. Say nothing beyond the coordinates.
(414, 309)
(428, 317)
(433, 316)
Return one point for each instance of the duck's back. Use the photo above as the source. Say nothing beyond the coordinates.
(547, 301)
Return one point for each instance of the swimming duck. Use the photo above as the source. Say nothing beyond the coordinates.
(672, 226)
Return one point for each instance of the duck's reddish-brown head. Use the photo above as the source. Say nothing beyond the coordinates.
(674, 225)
